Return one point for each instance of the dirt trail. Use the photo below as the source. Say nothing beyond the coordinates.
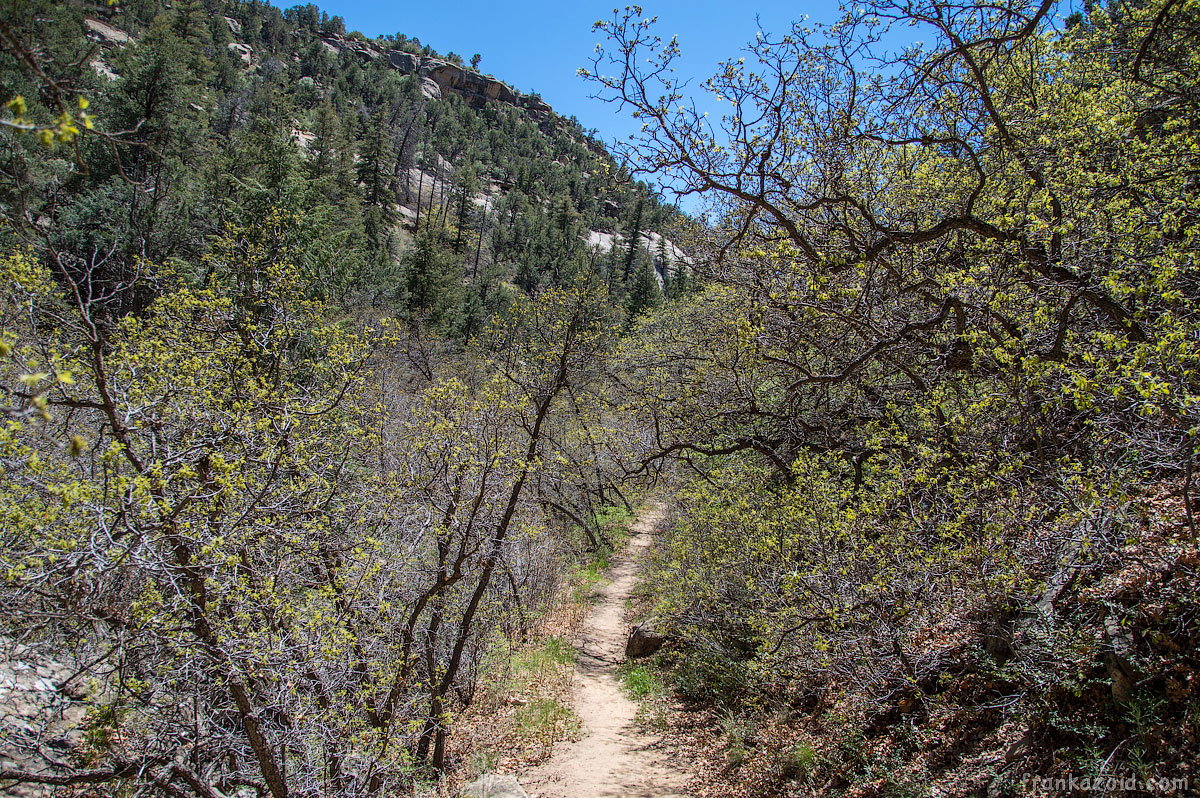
(613, 758)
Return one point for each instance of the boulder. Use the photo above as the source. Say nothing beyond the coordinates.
(405, 62)
(242, 51)
(645, 639)
(430, 89)
(490, 786)
(104, 33)
(103, 70)
(533, 103)
(340, 44)
(42, 709)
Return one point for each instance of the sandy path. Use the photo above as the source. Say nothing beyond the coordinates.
(613, 758)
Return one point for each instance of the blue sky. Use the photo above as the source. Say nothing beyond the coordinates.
(537, 45)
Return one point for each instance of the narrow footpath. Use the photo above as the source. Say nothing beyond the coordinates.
(612, 759)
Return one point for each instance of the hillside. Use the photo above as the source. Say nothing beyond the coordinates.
(212, 111)
(299, 333)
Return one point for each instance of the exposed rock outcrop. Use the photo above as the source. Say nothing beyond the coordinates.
(663, 251)
(533, 104)
(41, 710)
(242, 51)
(475, 88)
(104, 70)
(341, 44)
(438, 78)
(104, 33)
(645, 639)
(430, 88)
(490, 786)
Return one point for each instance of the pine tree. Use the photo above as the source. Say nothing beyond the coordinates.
(644, 293)
(465, 186)
(431, 278)
(634, 240)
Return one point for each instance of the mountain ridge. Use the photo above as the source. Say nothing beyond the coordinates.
(385, 139)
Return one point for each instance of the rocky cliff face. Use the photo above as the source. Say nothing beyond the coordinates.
(42, 705)
(438, 77)
(362, 50)
(475, 88)
(443, 76)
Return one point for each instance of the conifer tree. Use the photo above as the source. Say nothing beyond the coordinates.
(431, 278)
(644, 292)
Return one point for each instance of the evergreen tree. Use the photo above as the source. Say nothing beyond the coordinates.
(431, 279)
(527, 277)
(466, 185)
(644, 292)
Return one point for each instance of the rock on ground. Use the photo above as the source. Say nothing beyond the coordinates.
(644, 640)
(490, 786)
(41, 710)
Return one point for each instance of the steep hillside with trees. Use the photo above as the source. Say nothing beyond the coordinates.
(299, 341)
(417, 183)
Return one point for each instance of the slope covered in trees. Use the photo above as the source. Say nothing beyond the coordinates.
(300, 337)
(413, 189)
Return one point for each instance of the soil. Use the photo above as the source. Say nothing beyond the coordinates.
(614, 757)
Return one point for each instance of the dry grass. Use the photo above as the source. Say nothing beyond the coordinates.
(524, 702)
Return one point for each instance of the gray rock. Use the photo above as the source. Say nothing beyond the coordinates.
(534, 103)
(405, 62)
(104, 33)
(490, 786)
(430, 89)
(242, 51)
(40, 713)
(1118, 659)
(645, 639)
(103, 70)
(475, 88)
(340, 44)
